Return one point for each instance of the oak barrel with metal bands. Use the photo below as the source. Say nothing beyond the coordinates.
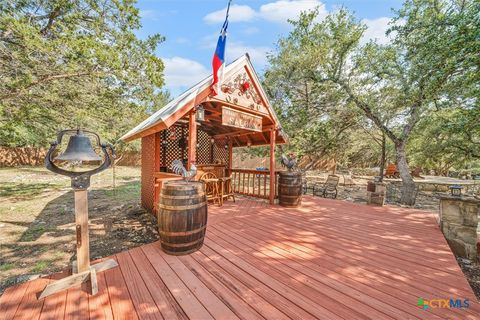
(182, 217)
(290, 188)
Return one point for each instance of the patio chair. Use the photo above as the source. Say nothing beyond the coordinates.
(305, 185)
(347, 178)
(212, 188)
(328, 188)
(391, 171)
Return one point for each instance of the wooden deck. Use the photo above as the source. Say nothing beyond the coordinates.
(326, 260)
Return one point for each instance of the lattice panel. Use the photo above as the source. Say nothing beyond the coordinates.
(204, 148)
(220, 153)
(173, 149)
(148, 168)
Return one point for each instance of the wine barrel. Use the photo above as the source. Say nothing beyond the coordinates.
(290, 188)
(182, 218)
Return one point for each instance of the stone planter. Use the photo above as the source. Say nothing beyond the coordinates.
(375, 193)
(459, 217)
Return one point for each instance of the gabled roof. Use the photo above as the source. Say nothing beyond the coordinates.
(182, 104)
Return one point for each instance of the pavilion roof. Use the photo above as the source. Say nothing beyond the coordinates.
(182, 104)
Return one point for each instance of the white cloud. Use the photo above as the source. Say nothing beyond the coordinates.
(376, 29)
(183, 73)
(258, 55)
(278, 11)
(149, 15)
(281, 11)
(237, 14)
(181, 40)
(250, 30)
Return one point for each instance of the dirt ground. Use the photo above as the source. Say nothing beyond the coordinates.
(37, 220)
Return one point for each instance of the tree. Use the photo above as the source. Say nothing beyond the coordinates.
(453, 139)
(74, 63)
(393, 85)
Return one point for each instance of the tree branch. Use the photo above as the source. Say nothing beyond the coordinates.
(368, 111)
(43, 80)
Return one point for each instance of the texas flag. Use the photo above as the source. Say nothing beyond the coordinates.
(218, 62)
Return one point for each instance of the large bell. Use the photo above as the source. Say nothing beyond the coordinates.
(79, 148)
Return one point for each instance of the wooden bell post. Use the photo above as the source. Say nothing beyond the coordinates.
(79, 149)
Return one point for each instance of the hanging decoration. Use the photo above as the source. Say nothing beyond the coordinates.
(173, 134)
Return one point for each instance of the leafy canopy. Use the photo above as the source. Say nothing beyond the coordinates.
(74, 63)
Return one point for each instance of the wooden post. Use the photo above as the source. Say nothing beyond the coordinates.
(192, 139)
(81, 224)
(230, 156)
(81, 269)
(272, 166)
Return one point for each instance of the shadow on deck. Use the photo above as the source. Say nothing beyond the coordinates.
(327, 260)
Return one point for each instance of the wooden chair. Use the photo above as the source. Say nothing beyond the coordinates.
(328, 188)
(226, 190)
(212, 188)
(391, 171)
(306, 185)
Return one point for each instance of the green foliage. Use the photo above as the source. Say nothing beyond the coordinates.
(74, 63)
(453, 140)
(329, 86)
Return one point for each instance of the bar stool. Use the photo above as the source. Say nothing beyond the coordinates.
(226, 188)
(212, 189)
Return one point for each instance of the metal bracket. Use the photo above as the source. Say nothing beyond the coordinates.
(79, 236)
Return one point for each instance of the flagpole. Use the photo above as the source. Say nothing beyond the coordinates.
(218, 62)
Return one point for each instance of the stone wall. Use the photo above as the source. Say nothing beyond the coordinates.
(459, 219)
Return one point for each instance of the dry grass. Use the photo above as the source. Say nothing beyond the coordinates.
(37, 220)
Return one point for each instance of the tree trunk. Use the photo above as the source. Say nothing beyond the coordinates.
(408, 185)
(382, 161)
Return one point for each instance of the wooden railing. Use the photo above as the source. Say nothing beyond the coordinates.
(254, 183)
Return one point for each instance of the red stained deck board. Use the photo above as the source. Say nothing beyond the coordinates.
(161, 295)
(262, 306)
(210, 301)
(328, 259)
(120, 300)
(141, 298)
(54, 305)
(346, 296)
(362, 249)
(242, 309)
(184, 297)
(11, 299)
(99, 304)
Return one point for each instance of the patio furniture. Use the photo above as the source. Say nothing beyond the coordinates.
(226, 190)
(391, 171)
(328, 188)
(212, 188)
(305, 185)
(348, 180)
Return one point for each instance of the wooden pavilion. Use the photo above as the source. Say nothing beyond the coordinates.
(239, 116)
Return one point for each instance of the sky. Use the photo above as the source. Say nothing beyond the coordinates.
(191, 29)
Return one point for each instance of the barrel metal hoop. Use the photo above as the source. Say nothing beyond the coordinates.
(179, 208)
(182, 233)
(197, 195)
(179, 245)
